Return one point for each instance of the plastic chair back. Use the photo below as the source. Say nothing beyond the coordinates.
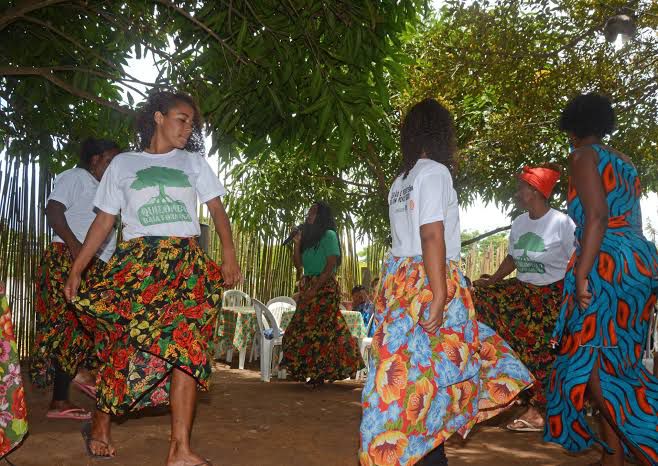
(280, 304)
(265, 319)
(235, 298)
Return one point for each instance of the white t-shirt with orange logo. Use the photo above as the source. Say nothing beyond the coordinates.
(425, 196)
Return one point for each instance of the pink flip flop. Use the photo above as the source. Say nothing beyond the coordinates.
(77, 414)
(87, 389)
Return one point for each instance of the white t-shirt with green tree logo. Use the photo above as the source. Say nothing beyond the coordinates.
(76, 188)
(157, 193)
(542, 247)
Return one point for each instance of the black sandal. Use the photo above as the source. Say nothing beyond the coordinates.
(86, 435)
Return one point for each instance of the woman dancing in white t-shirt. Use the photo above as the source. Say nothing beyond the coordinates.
(156, 307)
(435, 371)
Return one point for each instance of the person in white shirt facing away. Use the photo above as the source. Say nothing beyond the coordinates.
(157, 303)
(63, 350)
(523, 310)
(434, 370)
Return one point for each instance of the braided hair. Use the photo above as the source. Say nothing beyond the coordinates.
(163, 101)
(427, 129)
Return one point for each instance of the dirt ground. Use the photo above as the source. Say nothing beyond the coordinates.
(245, 422)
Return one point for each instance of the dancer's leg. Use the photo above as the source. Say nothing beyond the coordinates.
(609, 431)
(436, 457)
(101, 434)
(61, 385)
(183, 403)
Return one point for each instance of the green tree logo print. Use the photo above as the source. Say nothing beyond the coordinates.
(161, 208)
(529, 242)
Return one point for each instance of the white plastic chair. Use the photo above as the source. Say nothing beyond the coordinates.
(277, 307)
(280, 304)
(234, 298)
(265, 317)
(365, 345)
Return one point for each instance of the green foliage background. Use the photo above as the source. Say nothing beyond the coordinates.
(303, 99)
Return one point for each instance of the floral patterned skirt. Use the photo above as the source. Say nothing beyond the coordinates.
(422, 387)
(154, 310)
(317, 343)
(13, 413)
(59, 335)
(524, 315)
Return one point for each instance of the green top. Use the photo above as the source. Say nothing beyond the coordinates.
(314, 259)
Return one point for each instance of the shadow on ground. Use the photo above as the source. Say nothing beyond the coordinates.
(244, 422)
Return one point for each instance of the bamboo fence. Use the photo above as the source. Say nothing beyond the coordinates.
(477, 262)
(267, 266)
(23, 236)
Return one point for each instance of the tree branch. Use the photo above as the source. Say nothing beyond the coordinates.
(342, 180)
(47, 73)
(84, 49)
(125, 27)
(23, 8)
(375, 167)
(485, 235)
(201, 25)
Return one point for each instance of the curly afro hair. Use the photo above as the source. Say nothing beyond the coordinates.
(588, 115)
(428, 129)
(163, 101)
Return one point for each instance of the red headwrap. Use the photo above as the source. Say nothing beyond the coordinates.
(541, 178)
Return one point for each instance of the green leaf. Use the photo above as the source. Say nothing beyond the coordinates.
(242, 34)
(345, 146)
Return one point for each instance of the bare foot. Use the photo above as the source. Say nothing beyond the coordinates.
(101, 444)
(179, 456)
(533, 416)
(530, 421)
(85, 376)
(62, 405)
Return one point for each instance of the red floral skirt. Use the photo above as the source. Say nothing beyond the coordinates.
(60, 337)
(153, 311)
(317, 343)
(524, 315)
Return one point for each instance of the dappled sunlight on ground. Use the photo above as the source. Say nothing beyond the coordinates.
(245, 422)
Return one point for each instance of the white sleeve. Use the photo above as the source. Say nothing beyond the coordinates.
(109, 197)
(208, 185)
(66, 186)
(568, 236)
(433, 198)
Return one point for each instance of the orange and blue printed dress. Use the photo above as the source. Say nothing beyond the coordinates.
(422, 387)
(612, 331)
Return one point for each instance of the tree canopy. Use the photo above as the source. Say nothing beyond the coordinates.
(303, 99)
(507, 68)
(292, 76)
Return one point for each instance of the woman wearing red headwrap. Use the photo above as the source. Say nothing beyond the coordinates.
(523, 310)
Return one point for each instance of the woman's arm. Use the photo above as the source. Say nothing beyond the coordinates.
(57, 221)
(588, 184)
(434, 258)
(98, 231)
(230, 268)
(506, 267)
